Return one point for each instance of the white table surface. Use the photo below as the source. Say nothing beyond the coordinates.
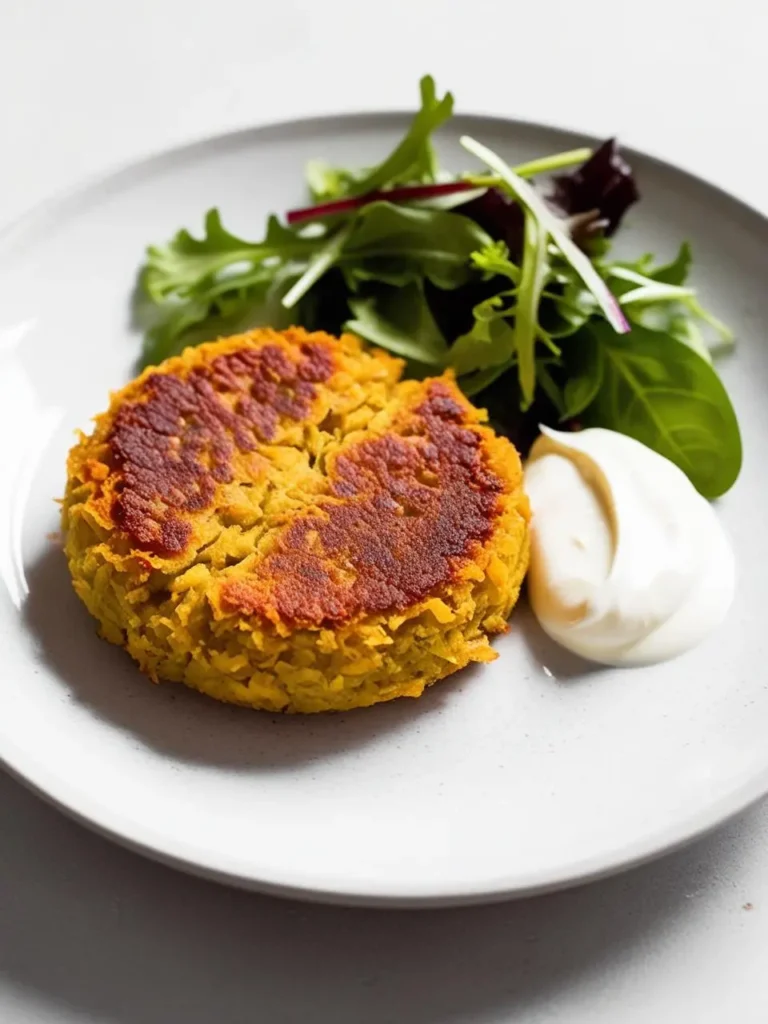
(91, 933)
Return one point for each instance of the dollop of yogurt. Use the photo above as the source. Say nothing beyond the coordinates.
(629, 563)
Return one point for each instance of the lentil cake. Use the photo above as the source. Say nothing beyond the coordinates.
(279, 521)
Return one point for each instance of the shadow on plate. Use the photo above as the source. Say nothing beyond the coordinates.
(558, 664)
(96, 932)
(186, 725)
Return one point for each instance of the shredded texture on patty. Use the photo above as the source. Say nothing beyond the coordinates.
(279, 521)
(174, 444)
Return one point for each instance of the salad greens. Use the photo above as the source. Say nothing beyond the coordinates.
(508, 284)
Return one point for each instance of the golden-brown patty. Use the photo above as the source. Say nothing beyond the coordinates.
(273, 517)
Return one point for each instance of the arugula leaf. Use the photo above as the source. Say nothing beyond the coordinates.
(655, 297)
(677, 271)
(413, 159)
(659, 391)
(176, 325)
(399, 320)
(435, 244)
(439, 242)
(326, 182)
(215, 309)
(187, 266)
(393, 270)
(644, 271)
(212, 280)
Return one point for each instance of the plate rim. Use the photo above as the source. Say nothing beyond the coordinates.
(311, 890)
(687, 829)
(59, 201)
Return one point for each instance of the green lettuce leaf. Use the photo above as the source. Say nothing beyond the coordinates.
(581, 369)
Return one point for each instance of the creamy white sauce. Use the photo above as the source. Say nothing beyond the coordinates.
(629, 564)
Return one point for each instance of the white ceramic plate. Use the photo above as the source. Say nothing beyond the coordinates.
(533, 773)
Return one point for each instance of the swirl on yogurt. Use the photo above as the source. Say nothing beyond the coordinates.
(629, 563)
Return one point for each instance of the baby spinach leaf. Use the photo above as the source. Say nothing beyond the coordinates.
(658, 390)
(548, 384)
(582, 368)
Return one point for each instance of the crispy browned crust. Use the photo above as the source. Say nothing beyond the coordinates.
(400, 511)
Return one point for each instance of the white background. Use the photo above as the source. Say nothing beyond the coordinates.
(90, 933)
